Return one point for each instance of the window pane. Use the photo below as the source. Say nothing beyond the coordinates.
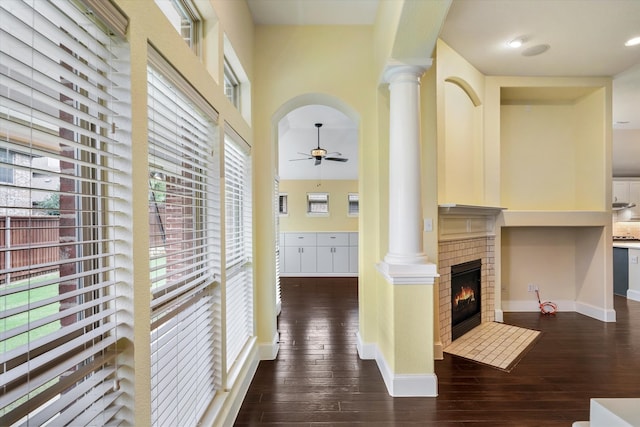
(61, 162)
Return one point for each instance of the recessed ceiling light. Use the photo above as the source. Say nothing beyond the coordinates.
(536, 50)
(633, 42)
(516, 43)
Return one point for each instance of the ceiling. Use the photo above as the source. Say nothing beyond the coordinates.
(584, 38)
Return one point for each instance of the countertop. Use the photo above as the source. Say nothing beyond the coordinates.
(626, 245)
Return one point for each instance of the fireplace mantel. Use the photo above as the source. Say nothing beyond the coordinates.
(466, 221)
(471, 210)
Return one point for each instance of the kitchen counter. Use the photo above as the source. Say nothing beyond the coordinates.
(626, 245)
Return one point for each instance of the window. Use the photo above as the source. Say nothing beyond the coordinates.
(185, 18)
(283, 207)
(6, 173)
(61, 312)
(318, 203)
(184, 249)
(354, 204)
(239, 248)
(231, 85)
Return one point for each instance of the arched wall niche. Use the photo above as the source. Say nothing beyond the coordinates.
(466, 87)
(463, 149)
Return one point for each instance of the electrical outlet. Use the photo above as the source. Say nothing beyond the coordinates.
(531, 287)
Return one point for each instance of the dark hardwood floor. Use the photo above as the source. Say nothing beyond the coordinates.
(318, 379)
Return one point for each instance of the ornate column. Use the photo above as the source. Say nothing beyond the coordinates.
(405, 261)
(406, 359)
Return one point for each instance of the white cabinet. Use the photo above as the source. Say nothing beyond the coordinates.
(299, 253)
(320, 254)
(353, 253)
(627, 191)
(621, 192)
(333, 252)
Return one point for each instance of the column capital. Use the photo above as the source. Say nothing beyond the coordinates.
(417, 68)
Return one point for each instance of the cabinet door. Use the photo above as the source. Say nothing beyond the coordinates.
(341, 259)
(308, 259)
(634, 197)
(325, 259)
(620, 191)
(353, 259)
(291, 259)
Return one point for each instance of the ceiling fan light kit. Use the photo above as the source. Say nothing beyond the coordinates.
(319, 154)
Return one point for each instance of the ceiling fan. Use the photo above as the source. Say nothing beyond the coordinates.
(320, 154)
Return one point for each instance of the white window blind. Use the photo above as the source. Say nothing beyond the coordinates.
(354, 204)
(63, 86)
(318, 203)
(276, 217)
(184, 220)
(238, 264)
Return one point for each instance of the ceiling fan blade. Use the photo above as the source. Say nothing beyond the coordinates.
(318, 161)
(295, 160)
(303, 154)
(336, 159)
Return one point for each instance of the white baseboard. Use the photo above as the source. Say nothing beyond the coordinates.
(499, 315)
(407, 385)
(399, 385)
(531, 306)
(269, 351)
(599, 313)
(634, 295)
(365, 351)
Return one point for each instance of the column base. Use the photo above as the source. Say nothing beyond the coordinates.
(408, 274)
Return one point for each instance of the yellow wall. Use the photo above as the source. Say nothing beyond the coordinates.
(461, 148)
(298, 220)
(332, 66)
(537, 157)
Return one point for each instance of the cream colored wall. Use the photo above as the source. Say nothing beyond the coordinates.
(298, 220)
(538, 157)
(461, 148)
(553, 156)
(543, 256)
(319, 64)
(593, 156)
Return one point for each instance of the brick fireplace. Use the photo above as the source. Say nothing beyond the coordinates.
(466, 234)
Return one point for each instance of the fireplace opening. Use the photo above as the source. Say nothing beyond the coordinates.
(466, 311)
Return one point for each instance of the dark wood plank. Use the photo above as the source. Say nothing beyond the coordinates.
(318, 379)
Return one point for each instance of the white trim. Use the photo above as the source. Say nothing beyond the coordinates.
(599, 313)
(498, 315)
(225, 413)
(408, 274)
(407, 385)
(366, 351)
(398, 385)
(593, 311)
(633, 295)
(269, 351)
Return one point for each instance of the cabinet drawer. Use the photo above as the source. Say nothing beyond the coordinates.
(333, 239)
(300, 239)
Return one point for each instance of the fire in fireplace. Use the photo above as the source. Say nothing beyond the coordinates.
(466, 311)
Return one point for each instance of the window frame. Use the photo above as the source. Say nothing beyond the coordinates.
(232, 84)
(321, 199)
(283, 204)
(355, 199)
(187, 11)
